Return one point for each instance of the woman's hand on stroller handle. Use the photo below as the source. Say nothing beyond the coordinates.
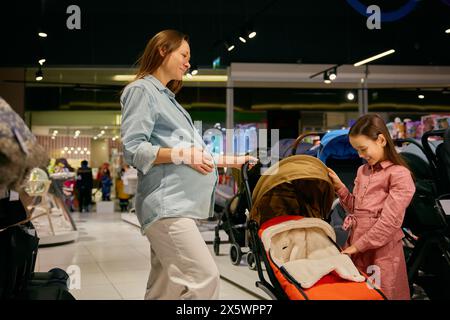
(252, 161)
(236, 161)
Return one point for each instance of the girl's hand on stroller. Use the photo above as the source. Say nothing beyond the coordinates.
(350, 250)
(337, 183)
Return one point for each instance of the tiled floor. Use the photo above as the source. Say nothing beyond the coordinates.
(113, 259)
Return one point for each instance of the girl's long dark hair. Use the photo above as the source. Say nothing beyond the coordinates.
(371, 125)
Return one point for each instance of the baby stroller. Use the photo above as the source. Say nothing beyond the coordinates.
(233, 219)
(231, 208)
(336, 152)
(426, 225)
(289, 236)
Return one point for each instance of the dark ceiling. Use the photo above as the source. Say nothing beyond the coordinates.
(113, 33)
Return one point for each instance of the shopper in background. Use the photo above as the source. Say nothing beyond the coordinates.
(383, 190)
(84, 186)
(106, 183)
(177, 175)
(64, 165)
(120, 192)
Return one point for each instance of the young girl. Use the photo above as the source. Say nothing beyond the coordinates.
(383, 190)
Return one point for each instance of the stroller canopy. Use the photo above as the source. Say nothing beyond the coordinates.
(336, 144)
(297, 185)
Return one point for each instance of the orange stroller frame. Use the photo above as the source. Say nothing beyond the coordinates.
(281, 284)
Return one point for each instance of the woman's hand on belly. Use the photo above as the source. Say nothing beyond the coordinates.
(198, 160)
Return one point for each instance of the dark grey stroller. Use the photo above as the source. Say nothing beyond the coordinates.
(426, 226)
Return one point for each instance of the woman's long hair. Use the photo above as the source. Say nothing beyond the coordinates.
(167, 41)
(371, 125)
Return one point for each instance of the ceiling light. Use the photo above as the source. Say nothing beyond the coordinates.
(194, 72)
(447, 31)
(69, 152)
(81, 152)
(421, 96)
(251, 34)
(88, 152)
(63, 152)
(229, 46)
(326, 78)
(242, 39)
(207, 78)
(77, 132)
(189, 75)
(65, 148)
(102, 132)
(42, 61)
(75, 152)
(95, 138)
(55, 131)
(350, 96)
(378, 56)
(71, 148)
(39, 75)
(53, 137)
(42, 34)
(333, 74)
(85, 149)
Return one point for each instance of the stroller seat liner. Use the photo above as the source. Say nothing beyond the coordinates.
(304, 249)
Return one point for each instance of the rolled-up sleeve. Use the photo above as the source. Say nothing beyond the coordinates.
(346, 199)
(401, 191)
(139, 115)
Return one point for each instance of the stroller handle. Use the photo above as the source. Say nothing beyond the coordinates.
(244, 175)
(426, 145)
(301, 137)
(409, 140)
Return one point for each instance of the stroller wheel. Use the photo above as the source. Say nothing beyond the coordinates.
(235, 254)
(251, 261)
(216, 245)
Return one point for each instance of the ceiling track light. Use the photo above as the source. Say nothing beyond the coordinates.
(447, 31)
(242, 39)
(194, 70)
(229, 46)
(39, 75)
(420, 94)
(42, 34)
(329, 74)
(42, 61)
(350, 96)
(250, 31)
(332, 74)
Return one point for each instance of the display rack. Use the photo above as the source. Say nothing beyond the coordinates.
(50, 216)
